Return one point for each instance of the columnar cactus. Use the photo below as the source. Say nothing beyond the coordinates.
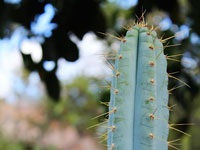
(138, 109)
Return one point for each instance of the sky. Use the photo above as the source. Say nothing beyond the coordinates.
(125, 3)
(90, 62)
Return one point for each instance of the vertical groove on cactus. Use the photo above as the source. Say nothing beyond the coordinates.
(139, 97)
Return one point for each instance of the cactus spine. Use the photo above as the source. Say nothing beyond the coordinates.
(138, 109)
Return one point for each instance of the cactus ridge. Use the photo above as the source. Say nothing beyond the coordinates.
(139, 96)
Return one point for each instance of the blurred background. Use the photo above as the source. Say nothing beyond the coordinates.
(52, 70)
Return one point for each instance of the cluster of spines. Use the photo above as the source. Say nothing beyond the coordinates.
(115, 91)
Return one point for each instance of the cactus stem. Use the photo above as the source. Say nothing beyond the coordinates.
(138, 87)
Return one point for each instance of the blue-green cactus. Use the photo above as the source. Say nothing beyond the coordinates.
(138, 109)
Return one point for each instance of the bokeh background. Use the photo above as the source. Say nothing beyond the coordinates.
(53, 77)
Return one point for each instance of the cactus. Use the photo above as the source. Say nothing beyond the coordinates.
(138, 108)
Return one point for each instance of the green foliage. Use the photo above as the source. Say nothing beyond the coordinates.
(6, 144)
(79, 104)
(138, 110)
(11, 144)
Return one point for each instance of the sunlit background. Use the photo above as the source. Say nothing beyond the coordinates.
(48, 99)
